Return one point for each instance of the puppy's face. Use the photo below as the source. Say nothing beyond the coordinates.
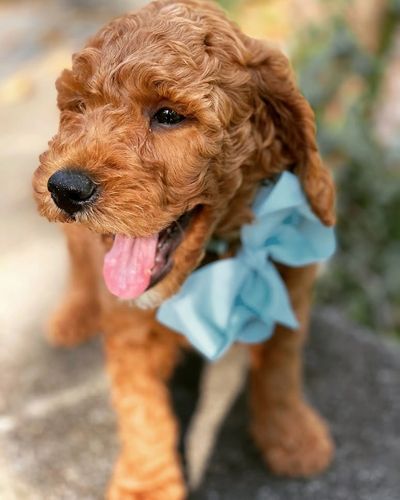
(156, 126)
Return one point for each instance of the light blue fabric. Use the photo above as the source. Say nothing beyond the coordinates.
(242, 298)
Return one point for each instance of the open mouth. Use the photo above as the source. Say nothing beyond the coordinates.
(133, 265)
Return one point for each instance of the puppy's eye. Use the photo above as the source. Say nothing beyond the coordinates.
(167, 116)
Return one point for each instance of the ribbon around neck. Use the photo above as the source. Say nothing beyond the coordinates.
(242, 298)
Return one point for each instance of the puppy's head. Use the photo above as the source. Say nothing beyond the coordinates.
(170, 118)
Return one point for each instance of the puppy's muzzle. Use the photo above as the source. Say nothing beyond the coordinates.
(72, 190)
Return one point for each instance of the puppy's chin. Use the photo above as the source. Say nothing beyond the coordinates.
(151, 299)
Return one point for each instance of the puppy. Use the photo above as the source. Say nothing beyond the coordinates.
(171, 117)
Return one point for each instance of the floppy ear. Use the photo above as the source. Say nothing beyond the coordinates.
(278, 98)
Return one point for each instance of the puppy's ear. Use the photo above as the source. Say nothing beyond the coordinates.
(279, 99)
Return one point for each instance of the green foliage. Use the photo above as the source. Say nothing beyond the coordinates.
(343, 84)
(228, 4)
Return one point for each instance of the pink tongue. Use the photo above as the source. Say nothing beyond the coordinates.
(127, 266)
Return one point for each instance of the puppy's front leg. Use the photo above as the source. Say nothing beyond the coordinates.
(140, 358)
(292, 437)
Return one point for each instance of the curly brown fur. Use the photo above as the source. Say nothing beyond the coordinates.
(247, 121)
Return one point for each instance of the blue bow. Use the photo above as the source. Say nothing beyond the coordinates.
(242, 298)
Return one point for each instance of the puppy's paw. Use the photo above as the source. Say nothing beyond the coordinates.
(294, 441)
(165, 483)
(169, 491)
(76, 320)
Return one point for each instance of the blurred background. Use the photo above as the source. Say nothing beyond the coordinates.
(346, 54)
(347, 57)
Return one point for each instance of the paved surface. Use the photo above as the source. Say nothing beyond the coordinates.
(58, 438)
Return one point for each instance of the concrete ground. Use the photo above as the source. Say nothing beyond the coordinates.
(57, 430)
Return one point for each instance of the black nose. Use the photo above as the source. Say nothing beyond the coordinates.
(71, 189)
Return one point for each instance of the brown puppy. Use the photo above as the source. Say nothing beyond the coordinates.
(171, 114)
